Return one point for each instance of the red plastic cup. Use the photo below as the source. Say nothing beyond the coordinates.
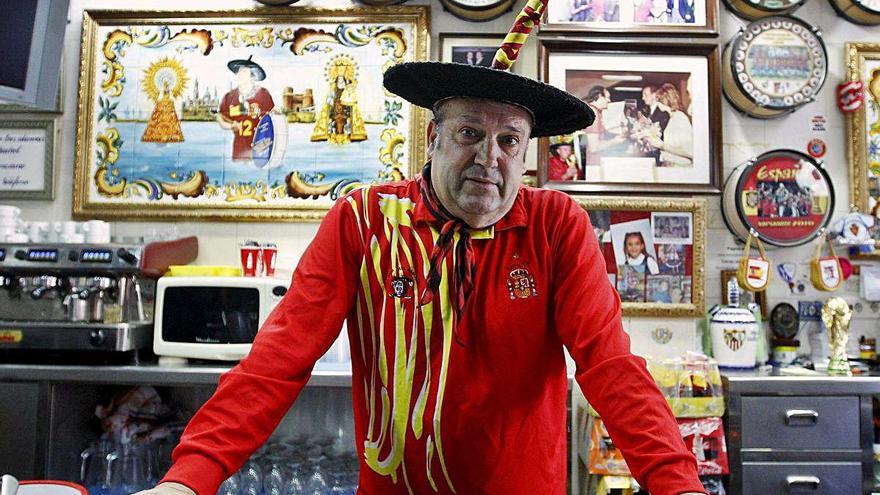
(250, 259)
(270, 254)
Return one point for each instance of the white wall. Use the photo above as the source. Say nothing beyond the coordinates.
(744, 138)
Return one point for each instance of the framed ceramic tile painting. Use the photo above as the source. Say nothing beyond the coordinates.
(266, 114)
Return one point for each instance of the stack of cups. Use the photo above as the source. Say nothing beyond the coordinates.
(11, 224)
(258, 260)
(96, 232)
(66, 232)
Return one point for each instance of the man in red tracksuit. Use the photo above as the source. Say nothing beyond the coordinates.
(460, 288)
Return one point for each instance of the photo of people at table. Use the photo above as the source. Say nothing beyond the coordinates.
(643, 266)
(626, 11)
(643, 122)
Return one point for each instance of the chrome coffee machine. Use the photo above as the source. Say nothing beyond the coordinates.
(82, 297)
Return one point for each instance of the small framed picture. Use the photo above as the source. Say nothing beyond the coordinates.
(654, 252)
(27, 157)
(672, 228)
(658, 117)
(469, 48)
(632, 17)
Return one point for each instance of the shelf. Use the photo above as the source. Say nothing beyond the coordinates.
(146, 374)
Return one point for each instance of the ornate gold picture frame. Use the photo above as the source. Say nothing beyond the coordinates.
(251, 115)
(863, 127)
(654, 252)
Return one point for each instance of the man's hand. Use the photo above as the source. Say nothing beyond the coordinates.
(167, 489)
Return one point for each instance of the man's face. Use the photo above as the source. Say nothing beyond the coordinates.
(244, 77)
(478, 158)
(648, 96)
(563, 151)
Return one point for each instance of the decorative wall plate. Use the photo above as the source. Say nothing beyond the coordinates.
(773, 66)
(758, 9)
(381, 3)
(866, 12)
(784, 195)
(477, 10)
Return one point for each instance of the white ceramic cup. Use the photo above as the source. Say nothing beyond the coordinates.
(37, 231)
(71, 238)
(17, 237)
(6, 231)
(9, 211)
(96, 231)
(68, 228)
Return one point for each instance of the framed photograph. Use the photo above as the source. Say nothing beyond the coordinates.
(27, 157)
(251, 115)
(653, 276)
(672, 228)
(632, 17)
(469, 48)
(658, 116)
(746, 297)
(863, 128)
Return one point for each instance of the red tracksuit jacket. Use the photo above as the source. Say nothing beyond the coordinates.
(477, 408)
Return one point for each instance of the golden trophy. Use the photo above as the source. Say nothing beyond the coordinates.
(836, 315)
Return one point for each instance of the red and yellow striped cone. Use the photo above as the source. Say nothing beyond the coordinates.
(525, 22)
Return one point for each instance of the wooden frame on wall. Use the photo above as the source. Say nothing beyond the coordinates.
(167, 130)
(862, 59)
(673, 235)
(454, 47)
(628, 135)
(632, 18)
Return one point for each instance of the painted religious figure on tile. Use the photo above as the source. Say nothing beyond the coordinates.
(340, 120)
(164, 81)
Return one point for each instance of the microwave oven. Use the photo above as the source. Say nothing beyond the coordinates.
(212, 317)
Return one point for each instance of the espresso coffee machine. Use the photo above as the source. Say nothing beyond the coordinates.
(72, 298)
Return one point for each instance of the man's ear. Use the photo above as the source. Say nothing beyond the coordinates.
(432, 137)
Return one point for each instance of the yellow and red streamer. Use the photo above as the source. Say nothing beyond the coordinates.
(526, 20)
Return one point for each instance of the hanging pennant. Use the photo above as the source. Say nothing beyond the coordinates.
(825, 271)
(754, 272)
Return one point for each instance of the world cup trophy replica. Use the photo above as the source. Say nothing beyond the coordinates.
(836, 315)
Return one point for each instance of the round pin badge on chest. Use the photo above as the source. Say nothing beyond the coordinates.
(774, 66)
(784, 195)
(477, 10)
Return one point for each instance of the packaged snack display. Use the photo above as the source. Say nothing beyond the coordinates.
(705, 438)
(605, 458)
(692, 385)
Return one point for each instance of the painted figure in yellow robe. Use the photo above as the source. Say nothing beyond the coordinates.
(340, 120)
(164, 80)
(164, 125)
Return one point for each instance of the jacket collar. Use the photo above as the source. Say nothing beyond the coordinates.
(516, 217)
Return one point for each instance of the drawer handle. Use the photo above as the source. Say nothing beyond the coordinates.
(801, 414)
(811, 482)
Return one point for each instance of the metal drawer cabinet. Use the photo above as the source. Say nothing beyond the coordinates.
(779, 478)
(799, 422)
(789, 435)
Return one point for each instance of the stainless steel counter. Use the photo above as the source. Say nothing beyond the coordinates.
(145, 374)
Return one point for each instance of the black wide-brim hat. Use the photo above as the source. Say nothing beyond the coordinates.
(425, 83)
(256, 70)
